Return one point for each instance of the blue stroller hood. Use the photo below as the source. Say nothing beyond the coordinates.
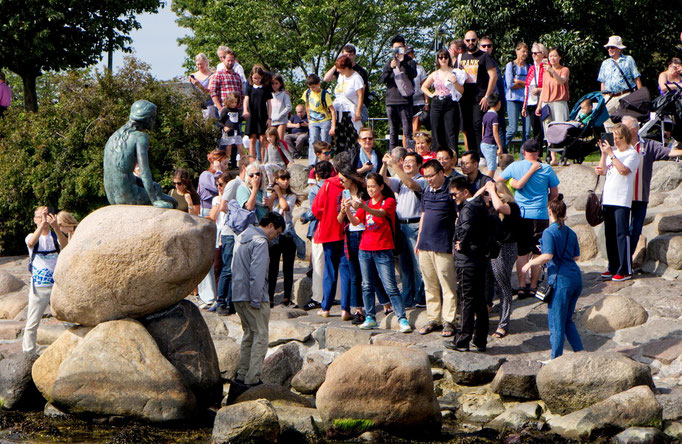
(599, 112)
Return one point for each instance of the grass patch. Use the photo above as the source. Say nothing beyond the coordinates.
(353, 425)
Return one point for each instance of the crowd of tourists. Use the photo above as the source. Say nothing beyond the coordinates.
(454, 237)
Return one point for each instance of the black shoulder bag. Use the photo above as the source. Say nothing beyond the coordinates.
(545, 290)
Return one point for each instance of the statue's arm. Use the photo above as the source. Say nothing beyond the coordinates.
(141, 146)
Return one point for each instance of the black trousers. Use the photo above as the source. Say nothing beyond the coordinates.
(535, 123)
(472, 117)
(286, 248)
(444, 124)
(474, 318)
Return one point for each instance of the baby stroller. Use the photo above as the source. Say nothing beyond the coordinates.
(667, 107)
(573, 140)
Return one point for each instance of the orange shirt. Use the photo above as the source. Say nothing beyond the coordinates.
(551, 90)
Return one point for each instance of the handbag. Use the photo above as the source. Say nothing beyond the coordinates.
(545, 112)
(545, 290)
(593, 209)
(425, 117)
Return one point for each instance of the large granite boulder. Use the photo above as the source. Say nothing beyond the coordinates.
(666, 177)
(613, 313)
(577, 380)
(9, 283)
(16, 385)
(472, 368)
(131, 261)
(666, 249)
(587, 239)
(631, 408)
(310, 378)
(391, 386)
(227, 351)
(116, 369)
(669, 222)
(12, 304)
(299, 178)
(183, 338)
(250, 421)
(281, 366)
(517, 379)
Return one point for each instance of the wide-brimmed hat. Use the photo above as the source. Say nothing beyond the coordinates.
(615, 41)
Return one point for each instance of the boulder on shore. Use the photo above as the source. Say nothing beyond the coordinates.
(130, 261)
(577, 380)
(390, 386)
(614, 313)
(249, 421)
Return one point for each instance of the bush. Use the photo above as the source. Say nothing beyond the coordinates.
(54, 157)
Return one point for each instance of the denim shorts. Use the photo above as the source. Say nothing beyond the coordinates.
(489, 152)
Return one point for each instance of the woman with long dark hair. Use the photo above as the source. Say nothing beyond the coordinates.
(185, 193)
(376, 247)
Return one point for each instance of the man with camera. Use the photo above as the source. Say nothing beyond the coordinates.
(398, 76)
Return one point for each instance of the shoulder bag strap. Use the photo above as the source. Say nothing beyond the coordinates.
(623, 74)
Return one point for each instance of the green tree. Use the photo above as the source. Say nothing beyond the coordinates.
(299, 37)
(43, 35)
(579, 28)
(54, 157)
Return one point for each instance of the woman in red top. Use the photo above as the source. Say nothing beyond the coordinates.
(376, 247)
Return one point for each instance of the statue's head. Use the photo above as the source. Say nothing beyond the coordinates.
(144, 113)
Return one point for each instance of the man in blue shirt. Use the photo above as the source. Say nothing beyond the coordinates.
(618, 76)
(532, 181)
(434, 250)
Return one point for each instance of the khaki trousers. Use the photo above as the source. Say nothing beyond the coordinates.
(255, 341)
(440, 285)
(38, 301)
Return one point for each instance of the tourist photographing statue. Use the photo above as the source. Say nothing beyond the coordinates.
(129, 146)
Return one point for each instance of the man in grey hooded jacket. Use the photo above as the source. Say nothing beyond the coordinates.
(250, 294)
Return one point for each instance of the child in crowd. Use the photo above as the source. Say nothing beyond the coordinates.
(231, 118)
(278, 151)
(323, 152)
(491, 147)
(321, 115)
(505, 160)
(283, 201)
(257, 108)
(67, 223)
(281, 106)
(422, 144)
(43, 245)
(585, 113)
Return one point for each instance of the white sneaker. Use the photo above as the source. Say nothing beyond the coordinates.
(405, 326)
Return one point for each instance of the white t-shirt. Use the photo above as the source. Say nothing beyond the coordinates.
(618, 189)
(43, 264)
(408, 205)
(461, 77)
(229, 193)
(346, 93)
(532, 98)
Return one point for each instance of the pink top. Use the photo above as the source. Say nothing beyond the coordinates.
(439, 86)
(5, 95)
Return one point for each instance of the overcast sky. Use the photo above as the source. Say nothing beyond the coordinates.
(156, 44)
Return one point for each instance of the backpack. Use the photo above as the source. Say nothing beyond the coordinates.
(323, 98)
(35, 250)
(593, 209)
(285, 154)
(403, 83)
(238, 219)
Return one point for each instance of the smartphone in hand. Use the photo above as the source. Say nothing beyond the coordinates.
(608, 138)
(346, 194)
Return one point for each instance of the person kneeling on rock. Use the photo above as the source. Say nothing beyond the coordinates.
(250, 294)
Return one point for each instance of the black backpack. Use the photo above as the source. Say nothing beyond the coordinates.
(35, 250)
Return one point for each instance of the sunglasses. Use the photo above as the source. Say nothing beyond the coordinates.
(488, 45)
(177, 183)
(327, 153)
(536, 52)
(254, 174)
(471, 40)
(442, 57)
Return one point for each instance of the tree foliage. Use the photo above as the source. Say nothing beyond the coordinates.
(42, 35)
(650, 29)
(54, 157)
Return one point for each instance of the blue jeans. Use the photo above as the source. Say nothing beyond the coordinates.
(382, 263)
(225, 279)
(637, 216)
(353, 239)
(410, 275)
(333, 251)
(318, 131)
(560, 315)
(514, 113)
(489, 152)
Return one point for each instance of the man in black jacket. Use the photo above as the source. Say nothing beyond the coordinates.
(471, 261)
(399, 106)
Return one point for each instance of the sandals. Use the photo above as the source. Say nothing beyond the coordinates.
(448, 330)
(429, 328)
(499, 334)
